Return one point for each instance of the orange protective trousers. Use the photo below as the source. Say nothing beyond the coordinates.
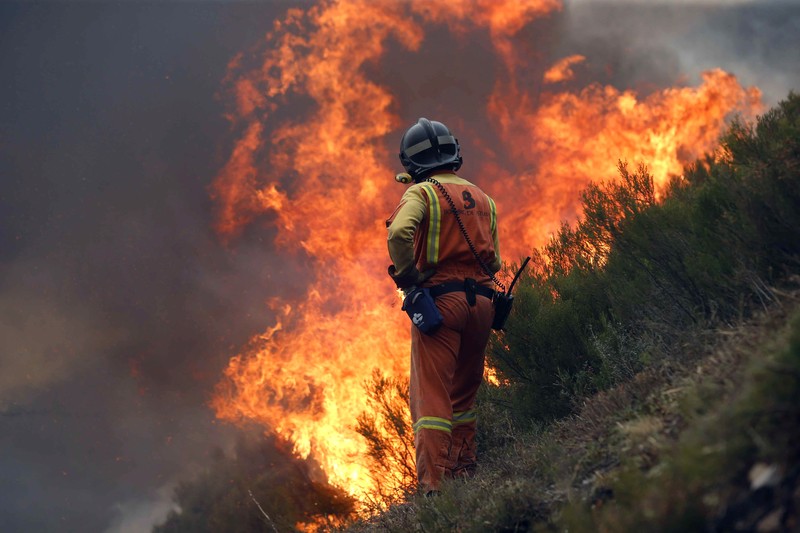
(446, 371)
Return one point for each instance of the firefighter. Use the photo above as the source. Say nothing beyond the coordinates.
(428, 248)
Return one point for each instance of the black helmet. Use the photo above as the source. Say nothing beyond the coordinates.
(427, 146)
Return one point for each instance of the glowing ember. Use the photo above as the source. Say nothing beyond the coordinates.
(324, 176)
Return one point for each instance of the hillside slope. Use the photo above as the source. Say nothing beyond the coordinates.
(706, 445)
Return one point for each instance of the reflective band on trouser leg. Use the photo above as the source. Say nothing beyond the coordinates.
(433, 422)
(464, 417)
(432, 451)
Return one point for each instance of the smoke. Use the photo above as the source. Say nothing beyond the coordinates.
(119, 307)
(646, 45)
(140, 514)
(46, 340)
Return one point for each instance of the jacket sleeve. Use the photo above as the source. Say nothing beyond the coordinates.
(402, 226)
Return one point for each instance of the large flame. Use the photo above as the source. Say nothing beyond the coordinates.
(312, 154)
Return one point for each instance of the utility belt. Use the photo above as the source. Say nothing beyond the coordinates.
(421, 306)
(469, 286)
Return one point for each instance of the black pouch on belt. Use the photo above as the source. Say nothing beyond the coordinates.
(422, 310)
(502, 308)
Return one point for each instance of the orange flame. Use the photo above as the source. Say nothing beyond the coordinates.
(562, 70)
(325, 178)
(579, 137)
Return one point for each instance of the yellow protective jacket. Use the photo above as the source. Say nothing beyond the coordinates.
(424, 233)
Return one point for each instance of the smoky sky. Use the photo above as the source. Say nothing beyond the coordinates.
(119, 307)
(670, 43)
